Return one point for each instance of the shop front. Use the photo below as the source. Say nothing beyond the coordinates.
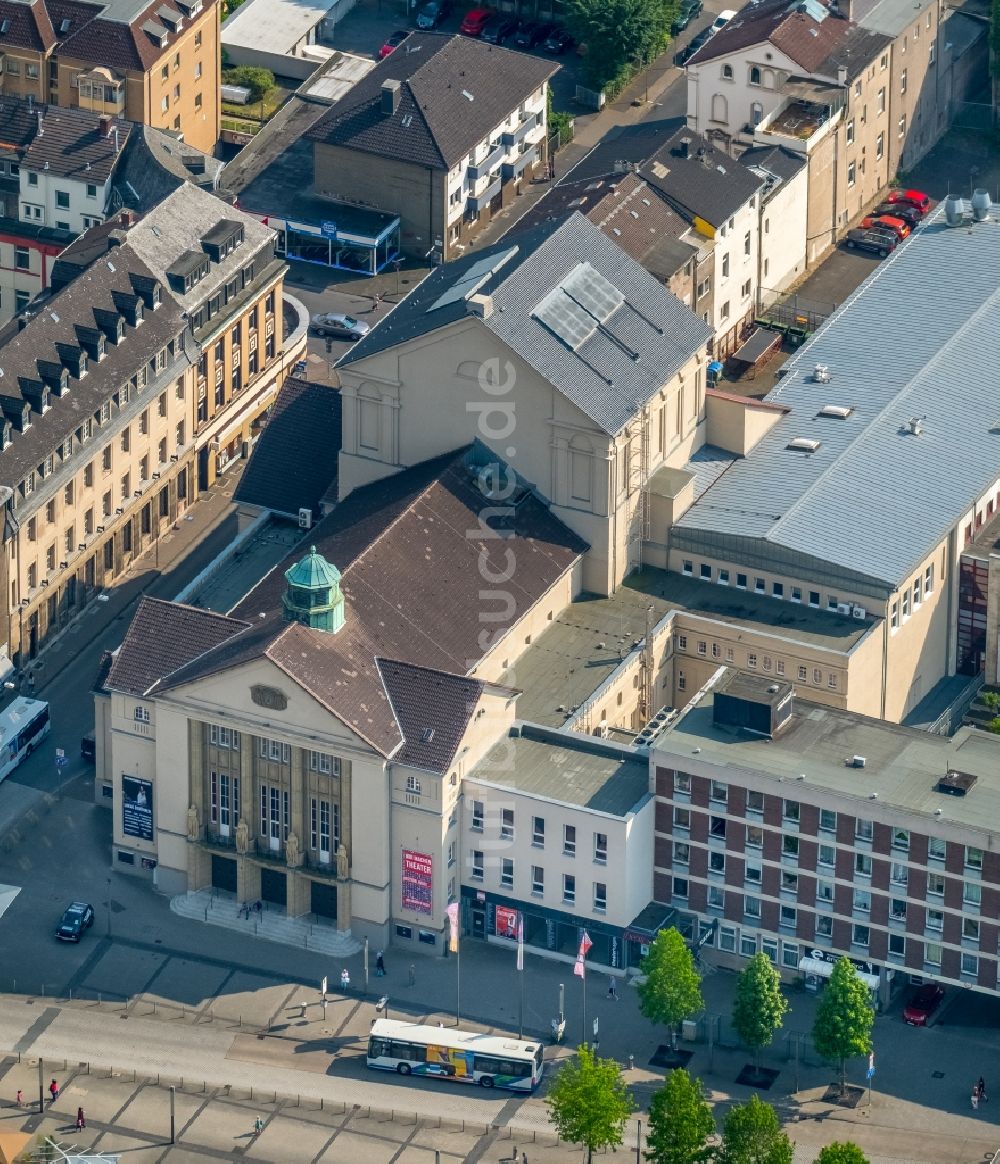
(347, 238)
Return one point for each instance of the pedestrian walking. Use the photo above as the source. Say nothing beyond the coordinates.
(19, 1099)
(379, 965)
(258, 1126)
(345, 979)
(981, 1088)
(53, 1091)
(524, 1158)
(81, 1120)
(613, 988)
(975, 1097)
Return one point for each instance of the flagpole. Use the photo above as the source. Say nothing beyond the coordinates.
(520, 969)
(458, 983)
(584, 977)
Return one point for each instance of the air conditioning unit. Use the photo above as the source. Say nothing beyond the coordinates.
(305, 518)
(844, 607)
(859, 612)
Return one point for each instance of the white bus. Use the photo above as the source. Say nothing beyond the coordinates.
(23, 725)
(465, 1056)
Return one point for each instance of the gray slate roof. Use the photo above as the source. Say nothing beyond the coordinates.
(874, 498)
(600, 378)
(436, 124)
(776, 160)
(156, 163)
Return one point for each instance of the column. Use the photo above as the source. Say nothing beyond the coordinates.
(247, 792)
(343, 905)
(196, 765)
(299, 890)
(296, 795)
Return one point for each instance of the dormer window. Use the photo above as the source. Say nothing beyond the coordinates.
(156, 296)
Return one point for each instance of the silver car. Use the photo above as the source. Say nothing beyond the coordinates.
(338, 326)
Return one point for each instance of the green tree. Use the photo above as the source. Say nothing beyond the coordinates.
(752, 1134)
(843, 1026)
(589, 1102)
(260, 82)
(680, 1122)
(760, 1007)
(618, 34)
(842, 1153)
(672, 987)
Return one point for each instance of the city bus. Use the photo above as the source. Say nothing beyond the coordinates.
(465, 1056)
(23, 725)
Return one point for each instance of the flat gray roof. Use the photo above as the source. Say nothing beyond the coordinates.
(902, 765)
(569, 767)
(581, 648)
(873, 498)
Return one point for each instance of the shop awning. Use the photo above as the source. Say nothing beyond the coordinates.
(823, 969)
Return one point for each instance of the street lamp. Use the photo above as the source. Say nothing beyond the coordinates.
(109, 907)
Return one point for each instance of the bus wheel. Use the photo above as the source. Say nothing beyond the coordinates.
(403, 1069)
(486, 1081)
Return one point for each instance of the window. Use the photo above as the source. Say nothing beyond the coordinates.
(850, 132)
(894, 614)
(413, 785)
(324, 763)
(879, 147)
(897, 946)
(754, 75)
(702, 647)
(790, 811)
(973, 858)
(929, 579)
(970, 965)
(824, 891)
(897, 908)
(727, 72)
(802, 674)
(936, 849)
(755, 837)
(787, 917)
(274, 750)
(790, 847)
(778, 589)
(507, 872)
(223, 737)
(755, 802)
(716, 897)
(935, 920)
(860, 935)
(477, 865)
(862, 900)
(507, 824)
(601, 848)
(824, 926)
(751, 906)
(901, 126)
(723, 577)
(682, 783)
(972, 893)
(901, 840)
(717, 827)
(902, 82)
(917, 591)
(789, 882)
(932, 953)
(538, 831)
(725, 266)
(62, 199)
(706, 572)
(863, 830)
(718, 791)
(716, 862)
(880, 101)
(970, 929)
(569, 889)
(759, 585)
(569, 840)
(682, 818)
(862, 864)
(828, 820)
(746, 243)
(682, 853)
(753, 873)
(537, 880)
(935, 885)
(478, 815)
(851, 174)
(22, 259)
(680, 887)
(741, 581)
(687, 567)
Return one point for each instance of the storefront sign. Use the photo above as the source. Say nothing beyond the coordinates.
(270, 697)
(506, 922)
(418, 882)
(137, 808)
(329, 229)
(615, 957)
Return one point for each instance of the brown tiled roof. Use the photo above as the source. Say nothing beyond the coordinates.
(69, 143)
(295, 461)
(18, 119)
(28, 26)
(436, 123)
(163, 637)
(433, 709)
(411, 577)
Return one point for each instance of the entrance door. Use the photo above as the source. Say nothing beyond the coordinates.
(479, 923)
(324, 900)
(203, 463)
(273, 886)
(225, 793)
(273, 816)
(223, 873)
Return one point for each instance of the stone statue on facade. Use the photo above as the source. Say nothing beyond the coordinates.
(242, 837)
(293, 856)
(343, 863)
(193, 823)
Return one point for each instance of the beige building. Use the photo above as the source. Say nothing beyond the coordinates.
(583, 386)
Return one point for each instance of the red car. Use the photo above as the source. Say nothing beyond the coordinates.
(923, 1004)
(883, 222)
(474, 21)
(910, 198)
(392, 42)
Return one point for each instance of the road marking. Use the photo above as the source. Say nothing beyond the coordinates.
(37, 1028)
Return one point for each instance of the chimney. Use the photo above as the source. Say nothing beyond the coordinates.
(480, 305)
(105, 123)
(41, 124)
(685, 147)
(390, 97)
(841, 75)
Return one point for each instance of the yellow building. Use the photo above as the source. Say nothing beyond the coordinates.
(157, 64)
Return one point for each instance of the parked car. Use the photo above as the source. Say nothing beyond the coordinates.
(720, 22)
(877, 242)
(909, 214)
(886, 223)
(78, 917)
(915, 198)
(925, 1001)
(530, 34)
(432, 13)
(88, 746)
(689, 9)
(338, 326)
(500, 31)
(474, 21)
(693, 46)
(392, 42)
(558, 42)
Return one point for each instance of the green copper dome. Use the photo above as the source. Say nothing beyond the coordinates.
(313, 596)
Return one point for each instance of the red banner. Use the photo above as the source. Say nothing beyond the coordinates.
(506, 922)
(418, 881)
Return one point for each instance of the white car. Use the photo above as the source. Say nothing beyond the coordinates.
(722, 20)
(338, 326)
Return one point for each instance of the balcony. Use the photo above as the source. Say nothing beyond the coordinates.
(512, 170)
(511, 137)
(481, 201)
(803, 119)
(216, 840)
(488, 164)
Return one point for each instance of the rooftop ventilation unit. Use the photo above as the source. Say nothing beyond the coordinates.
(857, 762)
(305, 518)
(916, 424)
(955, 783)
(803, 445)
(840, 411)
(980, 205)
(954, 210)
(821, 374)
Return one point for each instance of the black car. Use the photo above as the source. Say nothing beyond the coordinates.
(559, 42)
(530, 34)
(877, 242)
(432, 13)
(78, 917)
(909, 214)
(690, 49)
(500, 31)
(689, 9)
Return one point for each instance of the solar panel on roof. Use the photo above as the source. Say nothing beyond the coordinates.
(565, 318)
(592, 291)
(472, 279)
